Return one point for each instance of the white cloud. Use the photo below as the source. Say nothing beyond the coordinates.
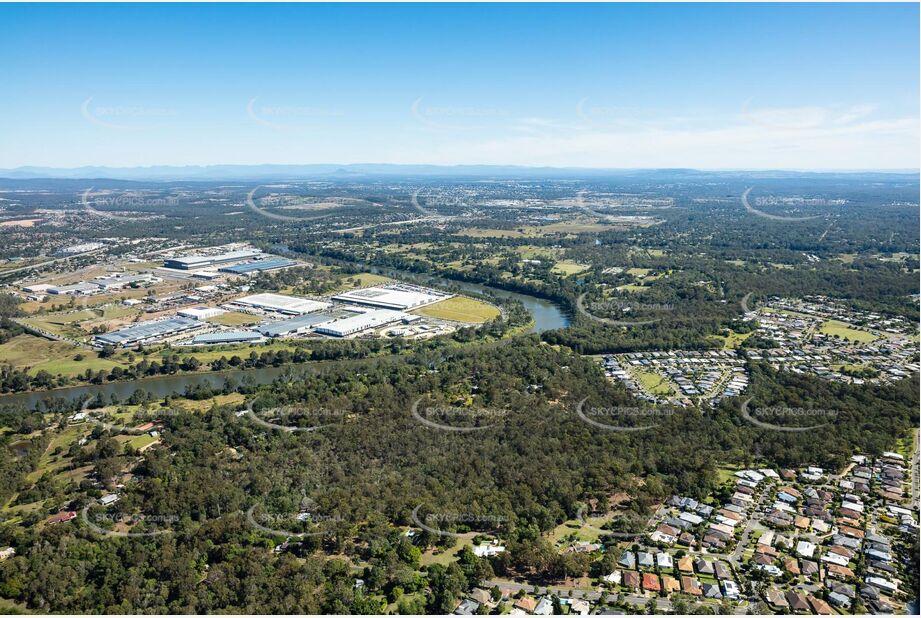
(791, 138)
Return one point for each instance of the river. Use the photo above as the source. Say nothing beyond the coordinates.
(547, 316)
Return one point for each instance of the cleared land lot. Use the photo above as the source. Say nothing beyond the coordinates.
(461, 309)
(53, 356)
(834, 327)
(654, 383)
(567, 267)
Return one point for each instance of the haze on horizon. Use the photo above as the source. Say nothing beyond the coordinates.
(603, 86)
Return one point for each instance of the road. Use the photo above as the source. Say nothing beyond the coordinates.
(915, 495)
(571, 592)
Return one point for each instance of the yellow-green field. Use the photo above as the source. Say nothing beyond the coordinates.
(733, 340)
(461, 309)
(138, 442)
(446, 556)
(67, 324)
(654, 383)
(361, 281)
(639, 272)
(533, 252)
(567, 267)
(834, 327)
(240, 350)
(632, 287)
(589, 530)
(53, 356)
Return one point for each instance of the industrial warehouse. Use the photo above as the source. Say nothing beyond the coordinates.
(145, 332)
(279, 303)
(361, 322)
(364, 312)
(205, 261)
(399, 296)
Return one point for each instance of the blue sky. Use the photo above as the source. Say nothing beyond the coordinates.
(814, 86)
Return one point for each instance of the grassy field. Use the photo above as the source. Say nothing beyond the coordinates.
(241, 350)
(639, 272)
(447, 556)
(733, 340)
(461, 309)
(567, 267)
(53, 356)
(725, 474)
(632, 287)
(906, 446)
(533, 252)
(582, 531)
(67, 324)
(234, 318)
(49, 462)
(834, 327)
(654, 383)
(362, 280)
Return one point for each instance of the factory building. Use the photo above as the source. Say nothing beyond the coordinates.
(361, 322)
(399, 296)
(116, 282)
(200, 313)
(76, 289)
(205, 261)
(227, 336)
(301, 324)
(257, 267)
(279, 303)
(150, 331)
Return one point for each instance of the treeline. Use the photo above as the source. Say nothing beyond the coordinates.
(534, 464)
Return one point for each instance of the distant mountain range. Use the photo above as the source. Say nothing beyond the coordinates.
(367, 170)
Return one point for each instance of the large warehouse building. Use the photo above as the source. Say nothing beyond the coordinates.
(227, 336)
(361, 322)
(301, 324)
(144, 332)
(258, 266)
(205, 261)
(279, 303)
(398, 296)
(200, 313)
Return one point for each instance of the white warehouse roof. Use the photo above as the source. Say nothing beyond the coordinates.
(281, 303)
(358, 323)
(399, 296)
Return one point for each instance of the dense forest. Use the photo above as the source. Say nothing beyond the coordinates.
(371, 463)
